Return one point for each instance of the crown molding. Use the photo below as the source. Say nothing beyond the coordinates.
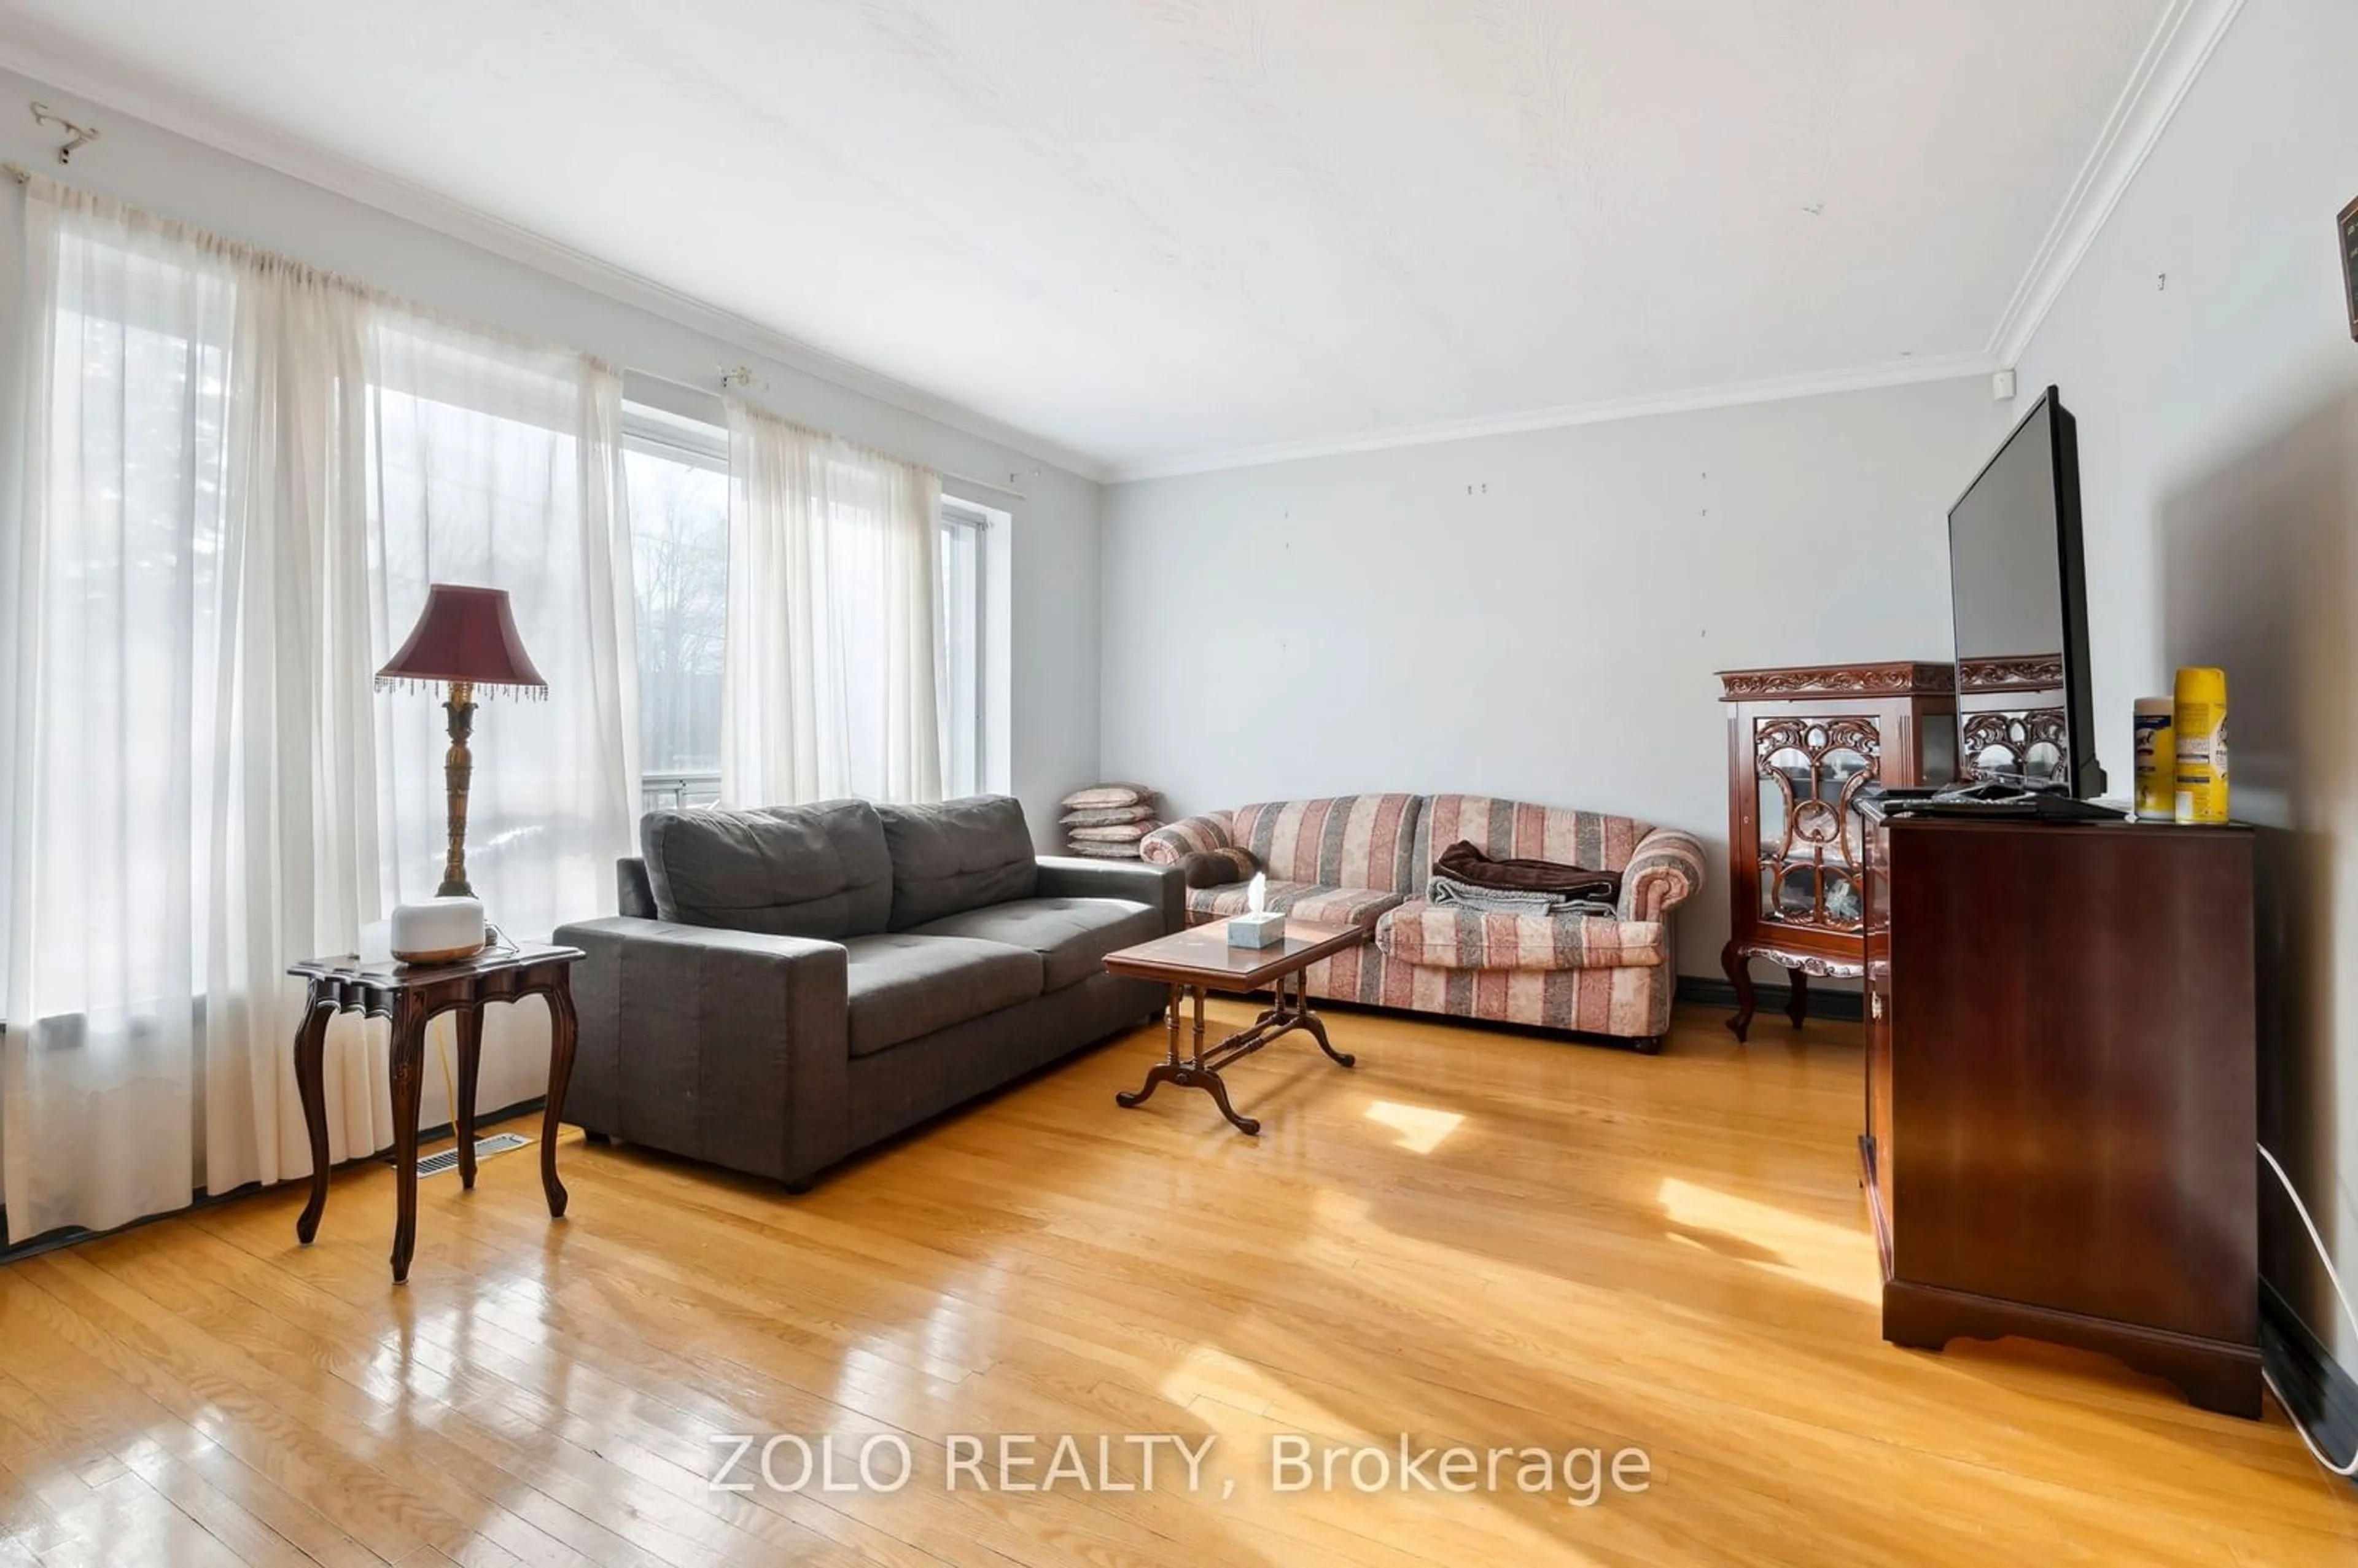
(1892, 373)
(2180, 45)
(184, 115)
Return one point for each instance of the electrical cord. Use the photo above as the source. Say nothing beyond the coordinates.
(2350, 1467)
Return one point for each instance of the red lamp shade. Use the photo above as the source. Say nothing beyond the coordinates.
(463, 634)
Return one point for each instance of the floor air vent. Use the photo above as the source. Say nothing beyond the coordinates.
(448, 1158)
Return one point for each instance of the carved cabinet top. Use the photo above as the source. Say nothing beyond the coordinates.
(1897, 678)
(2014, 671)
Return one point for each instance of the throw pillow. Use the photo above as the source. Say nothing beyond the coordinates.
(1105, 815)
(1114, 833)
(1217, 867)
(1105, 794)
(1097, 849)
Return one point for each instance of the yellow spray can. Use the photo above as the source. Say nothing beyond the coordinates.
(2157, 759)
(2201, 721)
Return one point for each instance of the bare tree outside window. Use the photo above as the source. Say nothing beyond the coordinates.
(679, 559)
(677, 473)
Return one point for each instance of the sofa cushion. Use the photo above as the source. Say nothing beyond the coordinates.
(1450, 936)
(958, 855)
(1307, 901)
(1351, 841)
(785, 871)
(1072, 936)
(900, 986)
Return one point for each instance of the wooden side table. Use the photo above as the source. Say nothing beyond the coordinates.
(409, 996)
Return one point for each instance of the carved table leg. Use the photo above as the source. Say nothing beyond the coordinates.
(1739, 975)
(1797, 1004)
(564, 1031)
(1163, 1071)
(1214, 1085)
(311, 1085)
(469, 1019)
(1193, 1074)
(1317, 1025)
(1188, 1072)
(408, 1050)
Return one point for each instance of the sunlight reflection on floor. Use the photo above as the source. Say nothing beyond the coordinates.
(1239, 1401)
(1421, 1127)
(1827, 1256)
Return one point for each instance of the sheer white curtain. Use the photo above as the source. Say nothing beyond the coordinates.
(499, 462)
(286, 840)
(833, 671)
(234, 468)
(115, 584)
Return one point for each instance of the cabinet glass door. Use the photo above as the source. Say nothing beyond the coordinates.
(1809, 771)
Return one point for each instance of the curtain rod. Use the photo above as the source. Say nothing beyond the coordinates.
(953, 478)
(24, 176)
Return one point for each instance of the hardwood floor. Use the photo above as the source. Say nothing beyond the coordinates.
(1477, 1239)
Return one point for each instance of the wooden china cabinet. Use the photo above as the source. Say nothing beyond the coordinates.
(1801, 743)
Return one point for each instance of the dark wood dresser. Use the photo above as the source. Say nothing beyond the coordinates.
(2061, 1098)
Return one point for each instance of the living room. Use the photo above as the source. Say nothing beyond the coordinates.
(1020, 782)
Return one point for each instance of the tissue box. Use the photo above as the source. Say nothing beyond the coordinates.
(1264, 930)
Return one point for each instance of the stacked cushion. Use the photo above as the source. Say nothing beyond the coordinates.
(1106, 821)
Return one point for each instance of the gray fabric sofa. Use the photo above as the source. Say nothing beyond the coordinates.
(789, 985)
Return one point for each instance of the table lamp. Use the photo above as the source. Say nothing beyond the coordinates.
(465, 637)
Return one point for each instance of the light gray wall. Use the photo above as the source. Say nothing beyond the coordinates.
(1535, 615)
(2205, 346)
(1053, 546)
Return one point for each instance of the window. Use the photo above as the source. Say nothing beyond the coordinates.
(962, 553)
(676, 470)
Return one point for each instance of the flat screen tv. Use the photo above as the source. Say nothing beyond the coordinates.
(2018, 588)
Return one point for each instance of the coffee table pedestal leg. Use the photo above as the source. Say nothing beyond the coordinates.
(1200, 1069)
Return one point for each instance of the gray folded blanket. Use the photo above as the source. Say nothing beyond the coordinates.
(1501, 901)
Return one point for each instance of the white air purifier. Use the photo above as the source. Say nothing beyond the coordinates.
(438, 930)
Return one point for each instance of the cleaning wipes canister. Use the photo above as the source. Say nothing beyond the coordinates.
(2157, 759)
(2199, 721)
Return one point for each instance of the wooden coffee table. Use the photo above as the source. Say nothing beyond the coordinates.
(1195, 961)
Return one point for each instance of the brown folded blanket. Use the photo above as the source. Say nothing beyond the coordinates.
(1471, 865)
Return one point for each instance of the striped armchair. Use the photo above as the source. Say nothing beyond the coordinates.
(1368, 859)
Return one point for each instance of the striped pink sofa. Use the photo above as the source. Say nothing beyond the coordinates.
(1368, 859)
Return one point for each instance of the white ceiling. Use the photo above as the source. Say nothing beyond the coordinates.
(1166, 233)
